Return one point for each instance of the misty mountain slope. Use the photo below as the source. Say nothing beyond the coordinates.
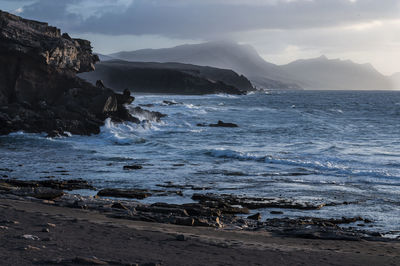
(395, 78)
(325, 74)
(168, 78)
(242, 59)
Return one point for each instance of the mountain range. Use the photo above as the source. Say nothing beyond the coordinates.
(311, 74)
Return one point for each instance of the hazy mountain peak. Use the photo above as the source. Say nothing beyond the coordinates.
(396, 75)
(395, 79)
(337, 74)
(225, 54)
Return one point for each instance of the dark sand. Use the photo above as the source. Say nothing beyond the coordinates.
(88, 234)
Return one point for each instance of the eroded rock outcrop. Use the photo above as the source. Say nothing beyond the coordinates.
(39, 89)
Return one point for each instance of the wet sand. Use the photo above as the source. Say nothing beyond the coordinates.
(66, 236)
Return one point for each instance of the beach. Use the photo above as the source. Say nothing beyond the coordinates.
(38, 232)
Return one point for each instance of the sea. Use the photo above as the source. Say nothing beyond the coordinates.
(307, 146)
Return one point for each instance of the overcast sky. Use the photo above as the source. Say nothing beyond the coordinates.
(280, 30)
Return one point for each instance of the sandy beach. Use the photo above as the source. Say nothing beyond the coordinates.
(36, 233)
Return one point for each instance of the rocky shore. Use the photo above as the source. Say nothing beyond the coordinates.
(70, 229)
(208, 210)
(39, 87)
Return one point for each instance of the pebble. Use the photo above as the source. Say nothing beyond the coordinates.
(180, 237)
(29, 247)
(256, 216)
(31, 237)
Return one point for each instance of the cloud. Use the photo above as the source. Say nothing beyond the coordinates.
(206, 18)
(281, 30)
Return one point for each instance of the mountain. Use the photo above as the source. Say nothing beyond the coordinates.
(395, 78)
(174, 78)
(318, 73)
(335, 74)
(242, 59)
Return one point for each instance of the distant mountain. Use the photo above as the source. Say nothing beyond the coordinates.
(395, 78)
(325, 74)
(242, 59)
(174, 78)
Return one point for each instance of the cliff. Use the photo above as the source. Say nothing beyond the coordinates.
(174, 78)
(39, 89)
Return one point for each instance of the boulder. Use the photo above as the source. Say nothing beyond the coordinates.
(255, 217)
(219, 124)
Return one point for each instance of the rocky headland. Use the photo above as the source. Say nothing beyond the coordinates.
(175, 78)
(39, 87)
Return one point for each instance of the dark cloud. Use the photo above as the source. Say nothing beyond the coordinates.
(54, 12)
(207, 19)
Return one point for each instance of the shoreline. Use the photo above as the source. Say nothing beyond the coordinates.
(40, 232)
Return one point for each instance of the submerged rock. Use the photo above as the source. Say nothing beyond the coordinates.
(132, 167)
(223, 124)
(39, 89)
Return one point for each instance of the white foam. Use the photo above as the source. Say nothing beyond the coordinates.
(228, 153)
(337, 168)
(223, 95)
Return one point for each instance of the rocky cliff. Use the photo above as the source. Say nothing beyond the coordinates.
(39, 89)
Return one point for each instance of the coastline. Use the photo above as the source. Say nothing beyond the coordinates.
(37, 231)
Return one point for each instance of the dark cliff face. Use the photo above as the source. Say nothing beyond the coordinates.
(39, 89)
(168, 78)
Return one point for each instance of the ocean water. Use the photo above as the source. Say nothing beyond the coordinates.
(310, 146)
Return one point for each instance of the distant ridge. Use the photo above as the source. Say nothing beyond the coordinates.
(334, 74)
(313, 74)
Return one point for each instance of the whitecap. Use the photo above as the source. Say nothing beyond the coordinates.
(224, 95)
(228, 153)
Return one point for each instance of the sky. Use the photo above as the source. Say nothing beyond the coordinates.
(365, 31)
